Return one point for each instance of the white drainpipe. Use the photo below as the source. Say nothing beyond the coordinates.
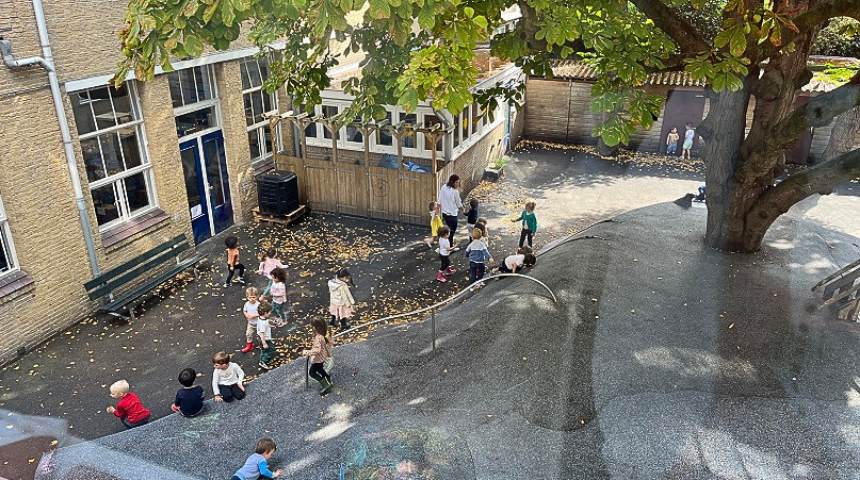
(47, 62)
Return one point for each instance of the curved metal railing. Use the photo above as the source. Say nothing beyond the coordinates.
(432, 309)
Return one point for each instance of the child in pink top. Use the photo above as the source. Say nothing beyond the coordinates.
(268, 262)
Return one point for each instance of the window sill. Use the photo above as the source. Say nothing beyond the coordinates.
(264, 165)
(13, 283)
(128, 229)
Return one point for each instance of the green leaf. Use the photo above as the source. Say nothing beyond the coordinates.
(481, 21)
(210, 10)
(738, 43)
(193, 45)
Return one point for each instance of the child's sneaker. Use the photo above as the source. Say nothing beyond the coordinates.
(450, 271)
(174, 408)
(264, 366)
(280, 323)
(240, 280)
(441, 278)
(226, 285)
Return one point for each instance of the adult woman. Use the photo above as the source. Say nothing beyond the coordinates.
(451, 205)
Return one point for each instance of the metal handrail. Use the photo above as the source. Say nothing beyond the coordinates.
(448, 300)
(432, 309)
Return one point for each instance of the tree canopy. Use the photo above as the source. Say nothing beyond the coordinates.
(423, 50)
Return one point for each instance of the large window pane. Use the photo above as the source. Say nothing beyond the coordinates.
(82, 112)
(122, 104)
(383, 136)
(104, 201)
(189, 90)
(268, 104)
(409, 139)
(195, 121)
(111, 154)
(475, 123)
(456, 132)
(353, 134)
(257, 103)
(130, 147)
(466, 122)
(175, 89)
(204, 83)
(93, 159)
(135, 190)
(254, 143)
(249, 109)
(102, 108)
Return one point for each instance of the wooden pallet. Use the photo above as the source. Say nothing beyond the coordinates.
(284, 220)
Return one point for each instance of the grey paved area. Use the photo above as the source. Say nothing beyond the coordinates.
(662, 359)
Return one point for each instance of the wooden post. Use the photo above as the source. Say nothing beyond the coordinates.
(366, 130)
(273, 122)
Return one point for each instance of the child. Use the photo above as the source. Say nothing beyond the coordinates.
(264, 330)
(227, 379)
(189, 398)
(319, 352)
(279, 297)
(340, 299)
(516, 262)
(524, 250)
(435, 223)
(529, 223)
(478, 255)
(689, 135)
(128, 409)
(268, 262)
(703, 194)
(445, 250)
(232, 244)
(251, 315)
(672, 142)
(257, 465)
(485, 236)
(472, 214)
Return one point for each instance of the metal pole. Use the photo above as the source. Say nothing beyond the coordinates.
(307, 368)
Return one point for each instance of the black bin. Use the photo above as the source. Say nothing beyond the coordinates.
(278, 192)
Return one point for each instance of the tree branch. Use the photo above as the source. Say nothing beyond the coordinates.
(684, 34)
(820, 111)
(807, 21)
(820, 179)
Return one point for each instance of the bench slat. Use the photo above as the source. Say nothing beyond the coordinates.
(132, 274)
(120, 303)
(845, 281)
(106, 277)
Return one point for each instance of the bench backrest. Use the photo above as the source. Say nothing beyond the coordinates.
(132, 269)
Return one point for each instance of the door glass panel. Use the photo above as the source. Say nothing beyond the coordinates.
(212, 153)
(136, 192)
(192, 185)
(104, 201)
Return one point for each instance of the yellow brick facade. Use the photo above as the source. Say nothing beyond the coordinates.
(35, 185)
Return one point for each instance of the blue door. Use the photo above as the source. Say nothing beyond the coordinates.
(204, 166)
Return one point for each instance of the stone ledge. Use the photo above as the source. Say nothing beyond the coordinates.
(13, 285)
(130, 228)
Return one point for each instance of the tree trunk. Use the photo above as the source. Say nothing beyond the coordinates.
(605, 150)
(846, 127)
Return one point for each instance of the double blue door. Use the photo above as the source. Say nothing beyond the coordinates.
(204, 165)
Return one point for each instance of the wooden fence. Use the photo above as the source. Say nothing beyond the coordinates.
(370, 191)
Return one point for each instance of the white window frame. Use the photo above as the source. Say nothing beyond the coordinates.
(482, 131)
(213, 103)
(6, 243)
(261, 126)
(120, 195)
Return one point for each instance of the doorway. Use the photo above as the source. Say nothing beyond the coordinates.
(204, 166)
(682, 106)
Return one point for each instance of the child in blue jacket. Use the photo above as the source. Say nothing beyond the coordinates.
(478, 256)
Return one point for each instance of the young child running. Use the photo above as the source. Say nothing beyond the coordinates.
(529, 223)
(279, 298)
(478, 256)
(445, 250)
(257, 465)
(472, 214)
(232, 244)
(672, 142)
(268, 262)
(435, 223)
(264, 330)
(319, 353)
(341, 303)
(189, 398)
(250, 310)
(227, 379)
(129, 408)
(516, 262)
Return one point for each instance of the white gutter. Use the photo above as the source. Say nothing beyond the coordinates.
(67, 137)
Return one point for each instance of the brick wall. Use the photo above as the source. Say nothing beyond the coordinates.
(470, 165)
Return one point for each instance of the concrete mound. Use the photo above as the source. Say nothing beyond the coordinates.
(662, 359)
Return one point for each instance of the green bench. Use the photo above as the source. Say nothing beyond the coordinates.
(107, 282)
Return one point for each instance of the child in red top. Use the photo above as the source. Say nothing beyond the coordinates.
(128, 409)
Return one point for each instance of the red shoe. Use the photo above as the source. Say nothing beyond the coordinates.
(441, 278)
(450, 271)
(174, 408)
(248, 347)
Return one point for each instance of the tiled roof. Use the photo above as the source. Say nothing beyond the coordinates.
(573, 70)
